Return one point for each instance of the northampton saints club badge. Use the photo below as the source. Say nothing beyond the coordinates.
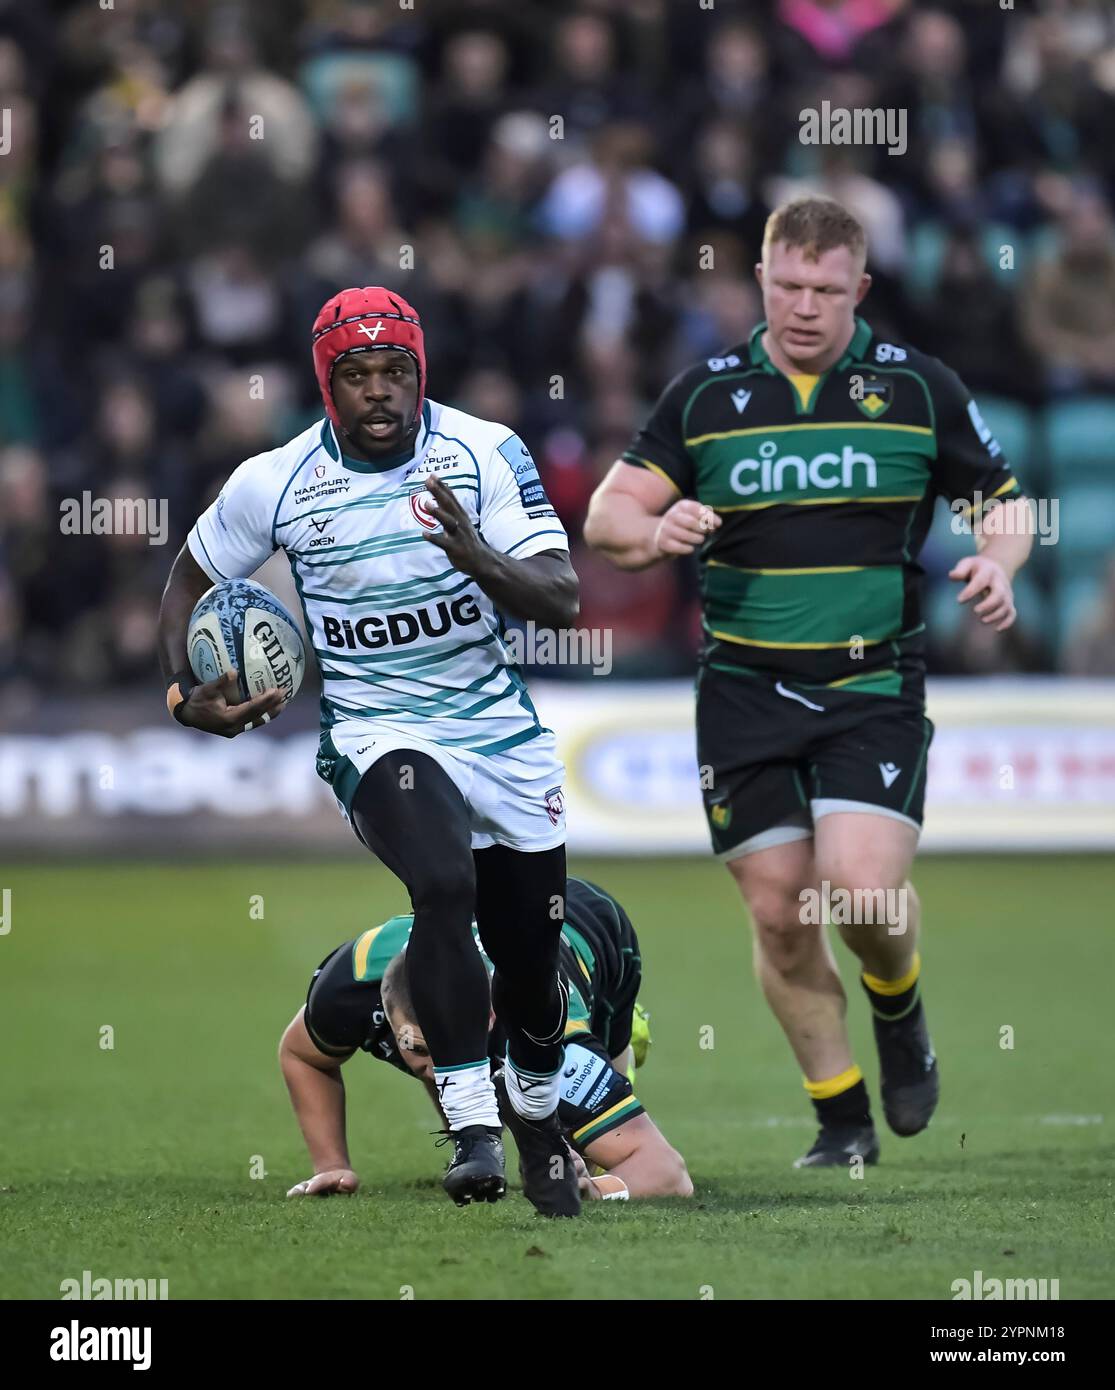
(876, 399)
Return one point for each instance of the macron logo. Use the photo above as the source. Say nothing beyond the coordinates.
(739, 400)
(890, 773)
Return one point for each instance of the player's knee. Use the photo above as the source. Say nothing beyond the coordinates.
(774, 908)
(670, 1177)
(784, 937)
(789, 953)
(446, 885)
(861, 874)
(679, 1183)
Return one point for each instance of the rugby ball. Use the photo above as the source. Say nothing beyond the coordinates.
(239, 625)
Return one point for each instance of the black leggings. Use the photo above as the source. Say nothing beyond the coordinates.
(411, 816)
(520, 907)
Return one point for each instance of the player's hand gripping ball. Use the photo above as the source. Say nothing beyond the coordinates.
(247, 653)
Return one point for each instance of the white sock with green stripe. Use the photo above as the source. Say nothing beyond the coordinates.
(534, 1095)
(466, 1095)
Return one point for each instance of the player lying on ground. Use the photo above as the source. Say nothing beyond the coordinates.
(411, 528)
(803, 466)
(360, 999)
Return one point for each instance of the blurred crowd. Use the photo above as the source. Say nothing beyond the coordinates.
(573, 196)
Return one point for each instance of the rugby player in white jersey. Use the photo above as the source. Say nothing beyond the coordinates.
(410, 528)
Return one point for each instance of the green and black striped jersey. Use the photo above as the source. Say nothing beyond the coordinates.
(825, 487)
(598, 959)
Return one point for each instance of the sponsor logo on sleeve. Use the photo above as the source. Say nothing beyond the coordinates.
(983, 430)
(581, 1073)
(522, 465)
(600, 1093)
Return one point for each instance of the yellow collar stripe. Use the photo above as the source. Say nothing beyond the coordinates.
(804, 385)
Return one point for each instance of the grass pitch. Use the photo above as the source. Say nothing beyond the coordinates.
(135, 1160)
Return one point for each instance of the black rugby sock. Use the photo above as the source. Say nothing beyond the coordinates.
(894, 999)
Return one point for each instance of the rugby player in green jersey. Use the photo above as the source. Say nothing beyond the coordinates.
(360, 1000)
(802, 468)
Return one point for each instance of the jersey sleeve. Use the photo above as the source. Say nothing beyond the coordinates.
(233, 536)
(660, 445)
(515, 513)
(336, 1012)
(594, 1097)
(970, 461)
(344, 1014)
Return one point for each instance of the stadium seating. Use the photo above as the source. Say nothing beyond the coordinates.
(1086, 529)
(1074, 602)
(944, 616)
(927, 245)
(1020, 434)
(1081, 442)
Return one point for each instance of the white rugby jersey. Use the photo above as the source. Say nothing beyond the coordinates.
(401, 637)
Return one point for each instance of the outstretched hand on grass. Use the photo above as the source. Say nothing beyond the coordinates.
(342, 1180)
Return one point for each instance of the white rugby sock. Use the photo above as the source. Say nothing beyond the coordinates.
(466, 1095)
(533, 1095)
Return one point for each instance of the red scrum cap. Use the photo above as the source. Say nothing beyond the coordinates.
(359, 320)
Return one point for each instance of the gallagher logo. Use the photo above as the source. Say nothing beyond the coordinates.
(419, 504)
